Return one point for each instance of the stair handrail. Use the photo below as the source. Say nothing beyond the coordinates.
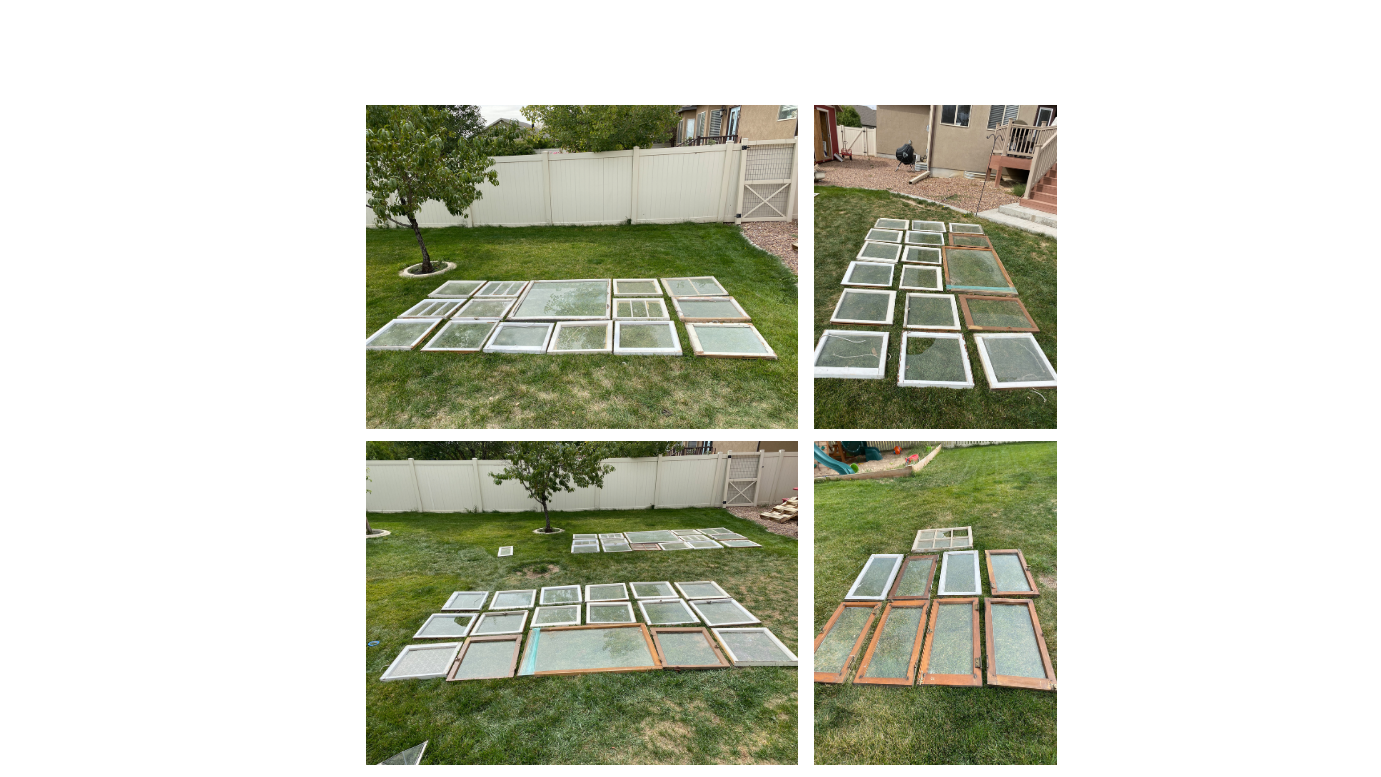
(1044, 159)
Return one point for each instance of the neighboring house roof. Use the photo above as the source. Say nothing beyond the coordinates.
(522, 124)
(685, 108)
(868, 115)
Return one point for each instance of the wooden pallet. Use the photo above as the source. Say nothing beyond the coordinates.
(783, 512)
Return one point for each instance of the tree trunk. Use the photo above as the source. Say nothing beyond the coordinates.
(546, 515)
(426, 258)
(367, 528)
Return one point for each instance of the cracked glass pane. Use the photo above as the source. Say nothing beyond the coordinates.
(834, 649)
(486, 659)
(934, 359)
(951, 644)
(1008, 574)
(591, 649)
(565, 298)
(1015, 650)
(860, 350)
(894, 643)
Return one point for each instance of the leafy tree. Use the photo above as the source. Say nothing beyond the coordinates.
(415, 155)
(578, 128)
(507, 138)
(847, 116)
(434, 451)
(464, 120)
(547, 468)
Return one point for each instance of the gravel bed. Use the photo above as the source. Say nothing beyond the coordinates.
(774, 237)
(867, 173)
(787, 529)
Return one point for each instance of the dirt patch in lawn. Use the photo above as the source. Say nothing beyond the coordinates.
(536, 572)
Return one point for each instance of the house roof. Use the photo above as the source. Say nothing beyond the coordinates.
(522, 124)
(868, 115)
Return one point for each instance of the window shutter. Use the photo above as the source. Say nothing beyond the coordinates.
(995, 113)
(716, 120)
(1011, 114)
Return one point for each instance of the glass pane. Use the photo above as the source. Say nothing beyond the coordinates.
(448, 626)
(638, 287)
(467, 601)
(668, 612)
(895, 641)
(623, 308)
(502, 288)
(748, 646)
(921, 277)
(938, 359)
(500, 623)
(959, 573)
(863, 272)
(401, 333)
(729, 339)
(951, 645)
(1007, 573)
(418, 662)
(915, 578)
(697, 590)
(891, 224)
(609, 613)
(878, 251)
(591, 548)
(725, 611)
(1014, 642)
(458, 288)
(968, 267)
(925, 238)
(857, 350)
(834, 648)
(929, 226)
(645, 590)
(512, 599)
(651, 536)
(591, 649)
(549, 616)
(707, 286)
(575, 338)
(598, 592)
(884, 235)
(874, 580)
(864, 306)
(998, 314)
(486, 659)
(461, 335)
(922, 254)
(970, 240)
(679, 287)
(972, 229)
(520, 336)
(560, 595)
(710, 308)
(929, 311)
(410, 757)
(686, 648)
(651, 336)
(1016, 359)
(583, 298)
(485, 308)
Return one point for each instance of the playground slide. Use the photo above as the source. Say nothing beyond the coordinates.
(821, 458)
(863, 449)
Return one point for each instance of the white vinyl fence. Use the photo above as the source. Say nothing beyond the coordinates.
(635, 484)
(750, 181)
(863, 141)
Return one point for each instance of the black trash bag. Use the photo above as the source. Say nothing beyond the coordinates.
(906, 154)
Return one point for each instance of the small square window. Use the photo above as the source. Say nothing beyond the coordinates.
(1014, 361)
(514, 337)
(873, 251)
(401, 334)
(850, 354)
(931, 311)
(432, 308)
(456, 289)
(636, 338)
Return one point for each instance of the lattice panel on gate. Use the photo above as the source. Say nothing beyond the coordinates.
(765, 201)
(741, 482)
(769, 163)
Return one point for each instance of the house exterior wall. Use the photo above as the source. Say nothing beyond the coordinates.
(755, 122)
(900, 123)
(961, 149)
(748, 446)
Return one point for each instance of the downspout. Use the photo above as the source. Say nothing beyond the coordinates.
(930, 142)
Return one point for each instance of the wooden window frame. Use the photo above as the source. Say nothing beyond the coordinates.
(462, 313)
(657, 284)
(934, 560)
(484, 616)
(634, 591)
(516, 639)
(891, 266)
(537, 613)
(435, 322)
(648, 618)
(980, 342)
(627, 605)
(837, 678)
(861, 373)
(492, 347)
(789, 660)
(614, 312)
(1012, 681)
(968, 317)
(964, 680)
(656, 632)
(1010, 289)
(670, 350)
(644, 546)
(542, 595)
(921, 240)
(562, 325)
(520, 291)
(532, 286)
(531, 601)
(969, 229)
(1030, 580)
(388, 676)
(953, 309)
(896, 567)
(590, 598)
(438, 294)
(977, 589)
(966, 383)
(930, 226)
(666, 287)
(651, 649)
(691, 603)
(910, 679)
(433, 307)
(969, 546)
(954, 236)
(447, 607)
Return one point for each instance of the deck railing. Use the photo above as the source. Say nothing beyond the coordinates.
(1041, 162)
(710, 140)
(1021, 140)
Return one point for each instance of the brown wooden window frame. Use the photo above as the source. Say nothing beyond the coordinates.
(837, 678)
(1012, 681)
(953, 236)
(1000, 266)
(702, 631)
(910, 678)
(968, 317)
(965, 680)
(1030, 580)
(516, 639)
(929, 583)
(651, 649)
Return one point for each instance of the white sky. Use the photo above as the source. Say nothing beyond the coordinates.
(492, 112)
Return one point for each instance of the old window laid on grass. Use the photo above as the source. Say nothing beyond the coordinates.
(1008, 575)
(923, 255)
(754, 647)
(606, 592)
(662, 590)
(654, 309)
(884, 235)
(921, 278)
(1017, 656)
(565, 615)
(644, 546)
(740, 544)
(873, 251)
(698, 286)
(931, 311)
(662, 535)
(688, 532)
(705, 309)
(616, 546)
(702, 589)
(722, 612)
(593, 648)
(486, 658)
(894, 224)
(996, 314)
(728, 341)
(456, 289)
(445, 625)
(959, 574)
(466, 600)
(678, 545)
(968, 229)
(976, 269)
(609, 612)
(896, 647)
(685, 648)
(500, 623)
(584, 299)
(840, 640)
(934, 360)
(1014, 361)
(560, 594)
(510, 337)
(637, 287)
(942, 539)
(585, 547)
(422, 662)
(502, 289)
(924, 238)
(401, 334)
(515, 599)
(485, 308)
(715, 531)
(432, 308)
(865, 306)
(506, 550)
(582, 337)
(651, 338)
(951, 655)
(410, 757)
(928, 226)
(705, 544)
(876, 578)
(913, 582)
(849, 354)
(660, 612)
(970, 241)
(869, 274)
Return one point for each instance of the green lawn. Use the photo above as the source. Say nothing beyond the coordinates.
(737, 715)
(1007, 494)
(842, 219)
(411, 389)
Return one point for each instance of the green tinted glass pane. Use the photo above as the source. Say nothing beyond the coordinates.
(973, 229)
(410, 757)
(834, 648)
(668, 612)
(598, 592)
(486, 659)
(1007, 573)
(970, 240)
(686, 648)
(891, 224)
(855, 349)
(752, 646)
(449, 626)
(864, 306)
(461, 335)
(929, 226)
(895, 640)
(940, 359)
(512, 599)
(591, 548)
(574, 298)
(707, 308)
(553, 615)
(698, 590)
(520, 336)
(645, 590)
(679, 287)
(951, 645)
(870, 273)
(727, 339)
(591, 649)
(929, 311)
(623, 308)
(879, 251)
(998, 313)
(915, 578)
(609, 613)
(959, 573)
(638, 287)
(716, 613)
(485, 308)
(1015, 651)
(502, 288)
(885, 235)
(651, 536)
(925, 238)
(560, 595)
(467, 601)
(1016, 359)
(458, 288)
(921, 277)
(500, 623)
(922, 255)
(874, 582)
(654, 336)
(575, 338)
(978, 269)
(402, 333)
(707, 286)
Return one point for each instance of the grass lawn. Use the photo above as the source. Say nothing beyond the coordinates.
(842, 218)
(410, 389)
(736, 715)
(1007, 493)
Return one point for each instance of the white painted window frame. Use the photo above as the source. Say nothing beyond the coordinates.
(705, 544)
(891, 274)
(575, 537)
(741, 318)
(616, 546)
(953, 308)
(930, 226)
(781, 109)
(490, 347)
(938, 236)
(431, 346)
(449, 606)
(462, 315)
(981, 341)
(450, 647)
(542, 599)
(923, 251)
(955, 123)
(590, 598)
(674, 546)
(896, 565)
(475, 627)
(714, 531)
(728, 536)
(693, 334)
(434, 308)
(474, 617)
(676, 350)
(721, 600)
(613, 536)
(977, 229)
(518, 306)
(904, 224)
(686, 608)
(791, 659)
(657, 285)
(437, 293)
(666, 287)
(891, 308)
(632, 617)
(508, 548)
(633, 589)
(977, 589)
(721, 595)
(967, 383)
(537, 613)
(886, 236)
(916, 541)
(666, 315)
(608, 336)
(922, 268)
(865, 373)
(1047, 110)
(896, 252)
(506, 292)
(740, 544)
(531, 599)
(385, 327)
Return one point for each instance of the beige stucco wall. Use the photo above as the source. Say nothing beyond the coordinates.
(748, 446)
(900, 123)
(969, 148)
(759, 122)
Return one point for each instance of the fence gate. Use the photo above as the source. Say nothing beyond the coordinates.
(741, 482)
(767, 181)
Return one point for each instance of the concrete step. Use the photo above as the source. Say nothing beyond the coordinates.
(1028, 214)
(1003, 215)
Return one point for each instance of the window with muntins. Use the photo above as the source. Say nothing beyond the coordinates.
(955, 115)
